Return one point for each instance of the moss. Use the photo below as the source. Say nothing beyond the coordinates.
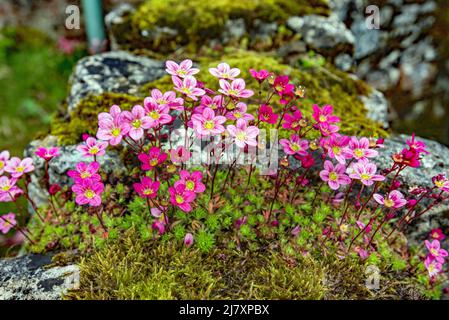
(325, 85)
(197, 21)
(83, 119)
(133, 269)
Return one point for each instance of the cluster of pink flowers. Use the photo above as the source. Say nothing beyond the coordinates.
(436, 256)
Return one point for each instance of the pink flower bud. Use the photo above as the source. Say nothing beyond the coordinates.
(188, 240)
(54, 189)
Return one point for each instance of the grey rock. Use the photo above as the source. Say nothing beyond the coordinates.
(29, 278)
(117, 19)
(116, 71)
(377, 107)
(234, 29)
(344, 62)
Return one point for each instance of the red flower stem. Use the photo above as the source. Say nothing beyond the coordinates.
(359, 213)
(377, 229)
(346, 205)
(99, 213)
(366, 227)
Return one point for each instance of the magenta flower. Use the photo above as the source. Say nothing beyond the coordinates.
(433, 266)
(239, 112)
(7, 222)
(235, 89)
(89, 192)
(441, 182)
(435, 250)
(295, 146)
(181, 70)
(159, 225)
(188, 240)
(137, 121)
(188, 87)
(417, 146)
(336, 146)
(261, 75)
(154, 158)
(147, 188)
(8, 189)
(334, 175)
(394, 199)
(324, 115)
(180, 155)
(224, 71)
(4, 157)
(92, 148)
(365, 172)
(208, 123)
(327, 129)
(85, 171)
(111, 126)
(360, 149)
(282, 86)
(267, 115)
(192, 181)
(243, 134)
(292, 121)
(437, 234)
(18, 168)
(181, 197)
(47, 154)
(168, 99)
(156, 114)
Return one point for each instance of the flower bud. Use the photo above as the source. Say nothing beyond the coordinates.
(188, 240)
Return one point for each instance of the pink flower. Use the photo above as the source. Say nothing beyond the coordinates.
(239, 112)
(365, 172)
(111, 126)
(85, 171)
(360, 149)
(418, 146)
(437, 234)
(243, 134)
(324, 115)
(7, 222)
(159, 225)
(147, 188)
(224, 71)
(54, 189)
(207, 123)
(214, 103)
(92, 147)
(261, 75)
(89, 192)
(168, 99)
(236, 89)
(282, 86)
(156, 114)
(137, 121)
(292, 121)
(188, 87)
(188, 240)
(307, 161)
(363, 254)
(18, 168)
(154, 158)
(295, 146)
(441, 182)
(180, 155)
(336, 146)
(181, 70)
(435, 250)
(8, 189)
(395, 199)
(47, 154)
(266, 114)
(328, 129)
(181, 197)
(433, 266)
(4, 157)
(334, 175)
(193, 181)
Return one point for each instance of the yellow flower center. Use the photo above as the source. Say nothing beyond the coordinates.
(365, 176)
(333, 176)
(148, 192)
(94, 150)
(336, 150)
(388, 203)
(237, 115)
(85, 174)
(190, 185)
(209, 125)
(2, 164)
(439, 183)
(89, 194)
(181, 72)
(136, 123)
(20, 169)
(154, 114)
(358, 152)
(186, 90)
(154, 162)
(179, 199)
(6, 188)
(232, 92)
(323, 118)
(162, 101)
(434, 252)
(295, 147)
(241, 136)
(115, 132)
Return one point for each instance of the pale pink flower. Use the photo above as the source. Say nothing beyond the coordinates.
(235, 89)
(365, 172)
(180, 155)
(436, 251)
(188, 87)
(92, 147)
(360, 148)
(111, 126)
(181, 70)
(188, 240)
(334, 175)
(168, 99)
(327, 129)
(207, 102)
(137, 121)
(337, 147)
(4, 157)
(8, 189)
(208, 123)
(433, 266)
(394, 199)
(47, 154)
(156, 114)
(239, 112)
(7, 222)
(224, 71)
(88, 192)
(295, 146)
(18, 168)
(243, 134)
